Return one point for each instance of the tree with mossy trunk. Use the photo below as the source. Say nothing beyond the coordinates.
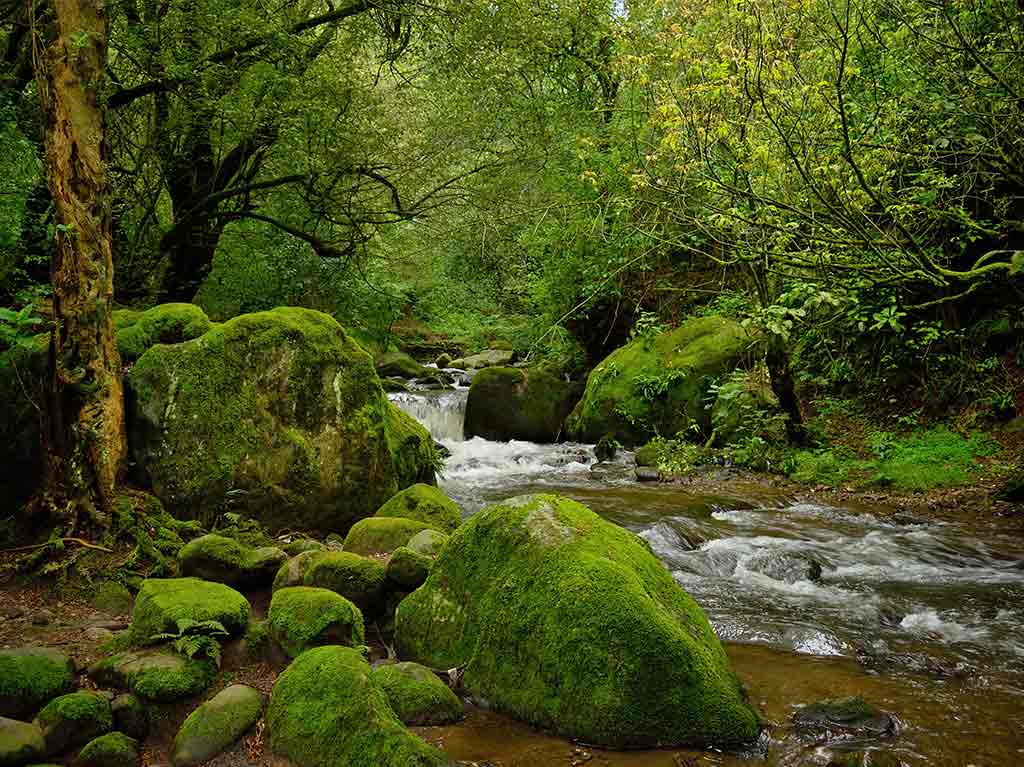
(83, 430)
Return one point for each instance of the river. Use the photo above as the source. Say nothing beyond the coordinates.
(920, 615)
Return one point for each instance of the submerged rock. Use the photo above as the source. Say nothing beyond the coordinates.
(416, 694)
(225, 560)
(283, 410)
(426, 504)
(852, 714)
(74, 719)
(326, 711)
(162, 602)
(659, 384)
(304, 616)
(569, 622)
(216, 724)
(511, 403)
(30, 677)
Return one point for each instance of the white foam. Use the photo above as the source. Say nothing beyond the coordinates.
(929, 622)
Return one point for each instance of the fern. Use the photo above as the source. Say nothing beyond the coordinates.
(195, 639)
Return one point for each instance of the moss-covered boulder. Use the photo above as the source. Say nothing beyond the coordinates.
(74, 719)
(293, 572)
(21, 743)
(163, 324)
(326, 711)
(424, 503)
(487, 358)
(428, 542)
(360, 580)
(163, 602)
(282, 409)
(382, 535)
(130, 716)
(659, 384)
(304, 616)
(225, 560)
(416, 694)
(30, 677)
(744, 408)
(115, 749)
(569, 622)
(514, 403)
(400, 365)
(302, 545)
(216, 724)
(158, 675)
(407, 569)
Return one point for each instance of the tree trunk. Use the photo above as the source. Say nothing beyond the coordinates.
(784, 388)
(83, 432)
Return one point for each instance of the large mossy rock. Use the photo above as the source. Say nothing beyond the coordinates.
(416, 694)
(658, 385)
(282, 409)
(30, 677)
(73, 720)
(487, 358)
(225, 560)
(216, 724)
(360, 580)
(512, 403)
(20, 743)
(293, 572)
(428, 542)
(382, 535)
(400, 365)
(301, 617)
(158, 675)
(424, 503)
(163, 602)
(164, 324)
(408, 569)
(569, 622)
(326, 711)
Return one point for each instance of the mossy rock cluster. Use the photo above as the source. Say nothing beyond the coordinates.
(417, 696)
(225, 560)
(659, 384)
(163, 602)
(424, 503)
(361, 580)
(164, 324)
(301, 617)
(569, 622)
(407, 569)
(281, 408)
(513, 403)
(30, 677)
(326, 710)
(216, 724)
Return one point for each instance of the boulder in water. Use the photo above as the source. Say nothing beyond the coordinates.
(512, 403)
(281, 409)
(658, 385)
(399, 365)
(852, 715)
(487, 358)
(569, 622)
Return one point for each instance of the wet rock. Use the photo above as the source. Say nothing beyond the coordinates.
(443, 361)
(216, 724)
(399, 365)
(304, 616)
(74, 719)
(130, 716)
(225, 560)
(115, 749)
(30, 677)
(417, 695)
(20, 743)
(606, 448)
(645, 474)
(784, 566)
(510, 403)
(852, 715)
(326, 710)
(160, 675)
(485, 359)
(535, 595)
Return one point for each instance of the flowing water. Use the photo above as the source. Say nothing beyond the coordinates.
(924, 617)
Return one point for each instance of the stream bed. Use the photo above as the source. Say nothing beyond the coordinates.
(923, 617)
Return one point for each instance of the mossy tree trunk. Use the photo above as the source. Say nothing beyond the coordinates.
(83, 431)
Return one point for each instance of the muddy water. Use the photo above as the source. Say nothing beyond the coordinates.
(921, 616)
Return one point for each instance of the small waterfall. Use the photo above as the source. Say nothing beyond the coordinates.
(442, 412)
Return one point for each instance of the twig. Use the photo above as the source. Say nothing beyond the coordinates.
(79, 541)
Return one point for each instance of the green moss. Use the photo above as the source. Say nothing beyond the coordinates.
(359, 579)
(382, 535)
(302, 617)
(400, 365)
(326, 711)
(281, 409)
(112, 597)
(216, 724)
(163, 324)
(512, 403)
(407, 568)
(648, 455)
(428, 542)
(160, 675)
(569, 622)
(416, 694)
(659, 384)
(73, 719)
(302, 545)
(293, 572)
(424, 503)
(31, 676)
(934, 458)
(162, 602)
(225, 560)
(115, 749)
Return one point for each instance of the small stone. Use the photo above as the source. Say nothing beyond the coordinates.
(41, 617)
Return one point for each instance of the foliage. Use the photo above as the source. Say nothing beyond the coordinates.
(17, 329)
(195, 639)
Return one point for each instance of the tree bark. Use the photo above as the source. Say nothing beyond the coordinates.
(83, 436)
